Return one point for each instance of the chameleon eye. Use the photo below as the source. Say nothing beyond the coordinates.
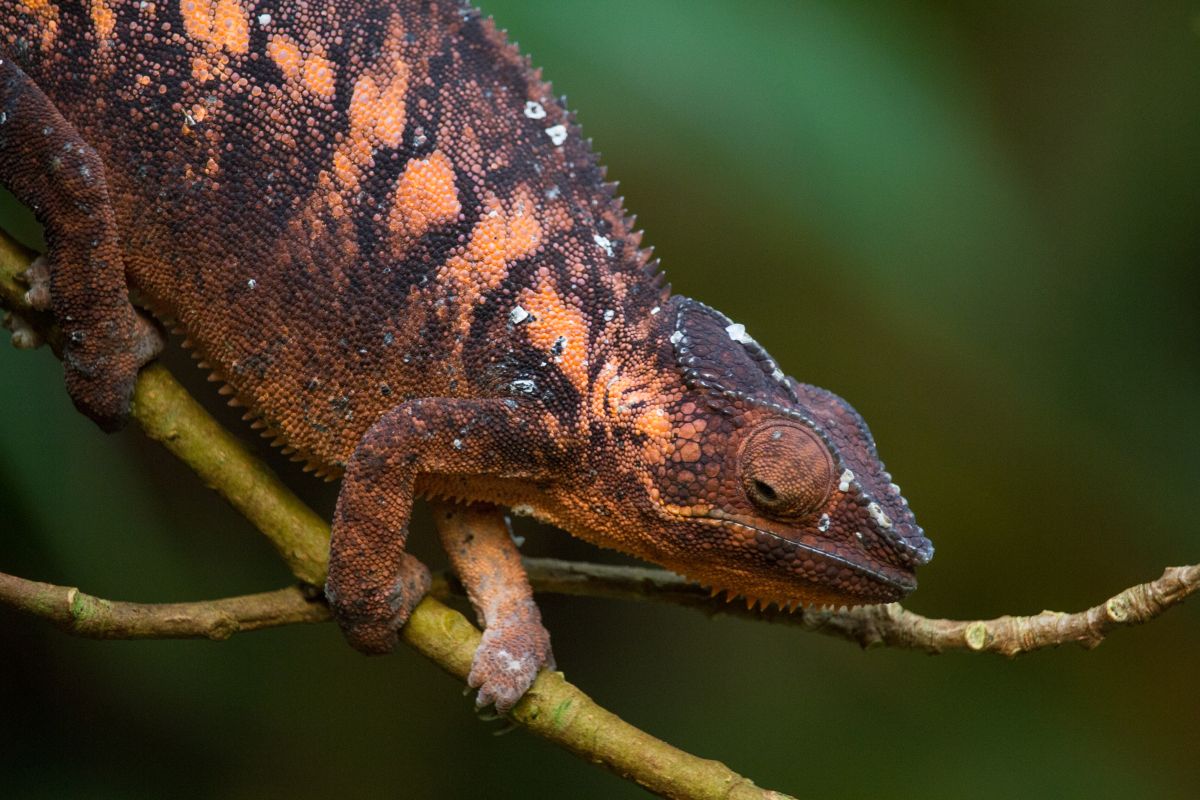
(786, 470)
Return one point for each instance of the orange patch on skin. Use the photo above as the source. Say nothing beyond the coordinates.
(231, 25)
(286, 55)
(503, 235)
(221, 24)
(201, 69)
(558, 326)
(425, 197)
(317, 75)
(655, 423)
(47, 15)
(377, 106)
(104, 18)
(377, 115)
(625, 394)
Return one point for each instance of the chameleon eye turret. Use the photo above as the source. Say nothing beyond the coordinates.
(787, 470)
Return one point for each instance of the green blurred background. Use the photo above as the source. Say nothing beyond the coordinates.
(978, 222)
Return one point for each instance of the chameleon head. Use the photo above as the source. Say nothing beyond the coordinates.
(764, 487)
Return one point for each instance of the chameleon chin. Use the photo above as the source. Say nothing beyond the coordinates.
(379, 228)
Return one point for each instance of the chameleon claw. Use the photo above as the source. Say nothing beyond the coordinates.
(24, 336)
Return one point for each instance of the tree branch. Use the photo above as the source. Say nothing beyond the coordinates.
(551, 708)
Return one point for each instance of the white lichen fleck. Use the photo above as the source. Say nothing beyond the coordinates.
(737, 332)
(877, 514)
(823, 523)
(518, 315)
(535, 110)
(557, 134)
(845, 481)
(676, 337)
(604, 243)
(510, 663)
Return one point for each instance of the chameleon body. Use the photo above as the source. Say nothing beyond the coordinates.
(386, 237)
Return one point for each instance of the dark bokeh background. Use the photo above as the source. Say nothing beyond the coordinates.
(977, 222)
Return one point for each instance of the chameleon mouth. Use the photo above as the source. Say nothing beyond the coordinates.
(889, 586)
(900, 582)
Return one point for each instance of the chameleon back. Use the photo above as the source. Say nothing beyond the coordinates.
(341, 204)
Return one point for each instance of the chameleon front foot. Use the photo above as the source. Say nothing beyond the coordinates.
(371, 624)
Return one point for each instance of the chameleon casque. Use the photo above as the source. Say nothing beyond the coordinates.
(380, 230)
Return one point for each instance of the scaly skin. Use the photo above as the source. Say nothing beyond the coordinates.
(378, 227)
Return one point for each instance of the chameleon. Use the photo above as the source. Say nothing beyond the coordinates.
(388, 240)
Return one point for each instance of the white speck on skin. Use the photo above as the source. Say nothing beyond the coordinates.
(609, 314)
(251, 283)
(535, 110)
(524, 386)
(823, 523)
(264, 19)
(858, 535)
(844, 481)
(557, 134)
(676, 337)
(522, 510)
(881, 519)
(655, 310)
(457, 444)
(518, 315)
(511, 664)
(604, 243)
(737, 332)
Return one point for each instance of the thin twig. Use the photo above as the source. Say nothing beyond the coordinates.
(889, 625)
(92, 617)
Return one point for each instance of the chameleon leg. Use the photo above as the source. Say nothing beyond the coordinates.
(373, 584)
(515, 645)
(46, 164)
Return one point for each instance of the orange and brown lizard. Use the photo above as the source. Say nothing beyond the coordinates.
(379, 228)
